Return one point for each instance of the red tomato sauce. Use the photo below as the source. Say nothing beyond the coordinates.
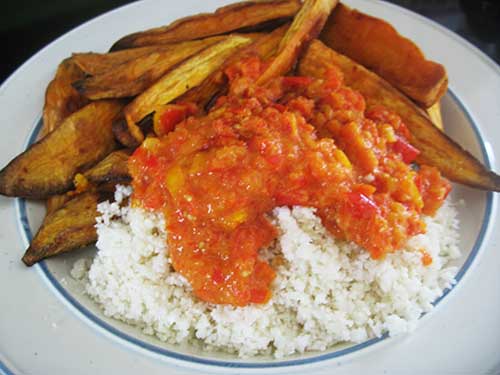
(298, 141)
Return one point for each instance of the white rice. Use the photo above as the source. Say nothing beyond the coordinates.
(326, 291)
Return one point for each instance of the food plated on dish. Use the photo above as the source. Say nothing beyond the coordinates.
(276, 203)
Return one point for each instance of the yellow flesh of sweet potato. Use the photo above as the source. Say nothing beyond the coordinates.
(434, 113)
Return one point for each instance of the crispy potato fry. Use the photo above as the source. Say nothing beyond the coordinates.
(434, 113)
(112, 169)
(179, 80)
(436, 148)
(69, 227)
(136, 75)
(224, 20)
(48, 166)
(264, 47)
(61, 99)
(92, 63)
(306, 25)
(375, 44)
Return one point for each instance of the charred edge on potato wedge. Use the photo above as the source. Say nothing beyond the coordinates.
(48, 166)
(227, 19)
(306, 25)
(378, 46)
(123, 133)
(112, 169)
(436, 148)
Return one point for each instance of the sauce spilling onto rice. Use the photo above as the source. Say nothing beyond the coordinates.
(299, 141)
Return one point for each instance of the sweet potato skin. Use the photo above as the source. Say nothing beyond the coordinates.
(136, 75)
(230, 18)
(380, 48)
(69, 227)
(61, 99)
(47, 167)
(436, 148)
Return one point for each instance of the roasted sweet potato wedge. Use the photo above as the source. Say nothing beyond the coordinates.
(179, 80)
(48, 166)
(436, 148)
(69, 227)
(55, 202)
(375, 44)
(102, 177)
(264, 46)
(92, 63)
(61, 99)
(434, 113)
(112, 169)
(306, 25)
(224, 20)
(136, 75)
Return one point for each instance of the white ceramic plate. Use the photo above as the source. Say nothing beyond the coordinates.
(47, 297)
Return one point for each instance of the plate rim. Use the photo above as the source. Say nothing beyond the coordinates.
(482, 58)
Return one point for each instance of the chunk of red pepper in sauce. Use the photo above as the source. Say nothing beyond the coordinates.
(169, 115)
(407, 151)
(299, 141)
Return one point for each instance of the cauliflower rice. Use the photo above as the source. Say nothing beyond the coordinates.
(326, 291)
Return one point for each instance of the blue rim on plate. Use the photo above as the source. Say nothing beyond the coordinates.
(4, 370)
(24, 224)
